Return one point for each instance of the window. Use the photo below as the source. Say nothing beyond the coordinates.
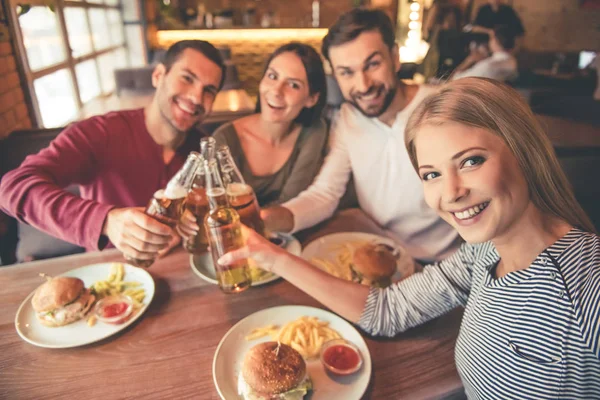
(55, 98)
(70, 49)
(78, 31)
(41, 37)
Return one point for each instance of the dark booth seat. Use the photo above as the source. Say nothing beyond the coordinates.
(19, 241)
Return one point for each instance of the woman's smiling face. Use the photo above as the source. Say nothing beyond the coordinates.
(472, 179)
(284, 90)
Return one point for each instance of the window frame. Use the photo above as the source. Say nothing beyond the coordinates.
(70, 62)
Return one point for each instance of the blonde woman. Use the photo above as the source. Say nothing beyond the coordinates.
(529, 274)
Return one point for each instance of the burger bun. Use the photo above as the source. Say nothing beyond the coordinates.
(56, 292)
(270, 371)
(375, 261)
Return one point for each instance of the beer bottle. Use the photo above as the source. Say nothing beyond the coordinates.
(207, 147)
(240, 195)
(196, 201)
(166, 205)
(224, 231)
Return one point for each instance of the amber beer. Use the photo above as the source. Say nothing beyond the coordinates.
(240, 195)
(242, 199)
(224, 230)
(166, 205)
(165, 208)
(197, 203)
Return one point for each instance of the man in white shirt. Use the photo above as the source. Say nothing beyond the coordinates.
(500, 65)
(595, 64)
(367, 140)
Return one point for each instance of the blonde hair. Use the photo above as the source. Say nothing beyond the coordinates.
(497, 108)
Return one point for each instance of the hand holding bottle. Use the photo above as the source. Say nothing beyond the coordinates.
(165, 208)
(187, 227)
(136, 234)
(267, 255)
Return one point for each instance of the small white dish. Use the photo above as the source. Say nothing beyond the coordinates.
(331, 361)
(79, 333)
(102, 306)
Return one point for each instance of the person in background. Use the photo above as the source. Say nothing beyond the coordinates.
(441, 30)
(495, 13)
(529, 273)
(119, 160)
(501, 65)
(366, 140)
(595, 65)
(287, 127)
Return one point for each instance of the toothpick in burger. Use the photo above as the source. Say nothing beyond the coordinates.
(273, 371)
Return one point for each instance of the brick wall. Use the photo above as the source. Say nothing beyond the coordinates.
(13, 109)
(557, 25)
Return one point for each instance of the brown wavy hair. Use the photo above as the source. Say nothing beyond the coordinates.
(493, 106)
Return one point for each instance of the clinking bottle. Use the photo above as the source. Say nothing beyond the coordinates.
(224, 231)
(196, 201)
(166, 205)
(241, 196)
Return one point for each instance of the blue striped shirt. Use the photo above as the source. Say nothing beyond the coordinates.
(532, 334)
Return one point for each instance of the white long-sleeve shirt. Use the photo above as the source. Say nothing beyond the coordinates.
(387, 186)
(501, 66)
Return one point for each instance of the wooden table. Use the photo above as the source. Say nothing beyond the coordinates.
(168, 353)
(569, 76)
(568, 134)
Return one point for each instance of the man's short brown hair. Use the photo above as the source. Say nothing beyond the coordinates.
(351, 24)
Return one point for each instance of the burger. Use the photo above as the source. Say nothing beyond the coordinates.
(373, 264)
(273, 371)
(62, 300)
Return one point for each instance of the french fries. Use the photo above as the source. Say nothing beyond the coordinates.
(91, 321)
(340, 265)
(269, 330)
(114, 285)
(306, 335)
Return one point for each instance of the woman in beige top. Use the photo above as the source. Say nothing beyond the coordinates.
(281, 147)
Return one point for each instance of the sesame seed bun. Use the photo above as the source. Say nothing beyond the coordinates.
(271, 372)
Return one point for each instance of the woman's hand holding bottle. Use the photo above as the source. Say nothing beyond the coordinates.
(267, 256)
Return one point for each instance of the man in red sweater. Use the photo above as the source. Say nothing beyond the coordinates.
(119, 160)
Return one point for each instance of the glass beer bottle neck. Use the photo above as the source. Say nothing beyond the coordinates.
(217, 198)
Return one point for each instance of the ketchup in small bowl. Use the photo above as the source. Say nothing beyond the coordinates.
(114, 309)
(341, 357)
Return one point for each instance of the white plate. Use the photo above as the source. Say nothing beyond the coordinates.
(323, 248)
(233, 347)
(203, 266)
(79, 333)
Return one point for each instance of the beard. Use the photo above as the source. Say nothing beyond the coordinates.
(165, 104)
(387, 100)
